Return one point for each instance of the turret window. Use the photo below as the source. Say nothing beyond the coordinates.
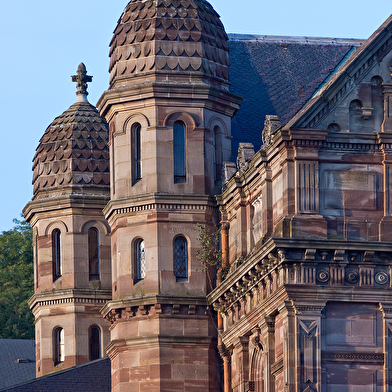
(59, 345)
(179, 152)
(136, 146)
(140, 259)
(180, 257)
(95, 343)
(93, 253)
(56, 254)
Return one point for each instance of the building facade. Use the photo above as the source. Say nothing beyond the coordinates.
(304, 210)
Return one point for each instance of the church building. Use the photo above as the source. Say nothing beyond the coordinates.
(285, 145)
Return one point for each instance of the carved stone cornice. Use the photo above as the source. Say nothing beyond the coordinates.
(121, 311)
(159, 203)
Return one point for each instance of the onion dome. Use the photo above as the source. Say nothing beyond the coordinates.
(73, 150)
(169, 35)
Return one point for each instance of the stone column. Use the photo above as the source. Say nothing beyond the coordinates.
(386, 310)
(386, 126)
(268, 333)
(241, 351)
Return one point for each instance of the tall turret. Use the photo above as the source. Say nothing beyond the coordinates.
(72, 276)
(169, 111)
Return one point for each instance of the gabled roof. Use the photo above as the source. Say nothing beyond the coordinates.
(277, 76)
(17, 361)
(371, 52)
(93, 376)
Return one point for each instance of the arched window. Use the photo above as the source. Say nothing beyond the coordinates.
(58, 340)
(95, 343)
(140, 259)
(180, 257)
(179, 152)
(56, 254)
(136, 153)
(93, 253)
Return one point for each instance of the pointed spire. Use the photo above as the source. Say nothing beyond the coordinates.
(82, 79)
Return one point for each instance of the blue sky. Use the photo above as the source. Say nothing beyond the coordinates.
(43, 42)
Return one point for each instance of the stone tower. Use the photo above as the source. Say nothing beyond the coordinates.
(70, 236)
(169, 110)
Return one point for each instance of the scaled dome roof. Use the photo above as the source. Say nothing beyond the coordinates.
(169, 35)
(73, 149)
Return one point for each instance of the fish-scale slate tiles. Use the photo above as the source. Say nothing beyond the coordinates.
(276, 78)
(73, 150)
(169, 35)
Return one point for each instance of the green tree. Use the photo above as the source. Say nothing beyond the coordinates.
(16, 282)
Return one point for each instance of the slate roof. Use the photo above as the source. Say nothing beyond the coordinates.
(370, 54)
(93, 376)
(154, 35)
(17, 361)
(277, 76)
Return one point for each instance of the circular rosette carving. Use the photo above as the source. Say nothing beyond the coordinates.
(352, 276)
(323, 275)
(381, 278)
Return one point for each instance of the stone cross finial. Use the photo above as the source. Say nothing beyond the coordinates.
(82, 79)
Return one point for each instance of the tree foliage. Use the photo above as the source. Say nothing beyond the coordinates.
(16, 282)
(210, 254)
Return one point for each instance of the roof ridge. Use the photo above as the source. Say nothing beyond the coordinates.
(296, 39)
(370, 46)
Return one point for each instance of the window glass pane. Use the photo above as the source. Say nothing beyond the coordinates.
(59, 346)
(56, 254)
(179, 154)
(136, 153)
(140, 260)
(180, 249)
(95, 343)
(93, 253)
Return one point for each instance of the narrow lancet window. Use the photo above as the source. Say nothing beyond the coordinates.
(56, 254)
(179, 152)
(140, 258)
(95, 343)
(136, 146)
(180, 257)
(59, 346)
(93, 253)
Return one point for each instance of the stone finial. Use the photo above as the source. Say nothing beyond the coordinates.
(245, 153)
(82, 79)
(228, 171)
(271, 124)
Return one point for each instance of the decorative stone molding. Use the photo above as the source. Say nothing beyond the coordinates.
(228, 170)
(352, 276)
(381, 278)
(277, 366)
(245, 154)
(322, 276)
(337, 356)
(128, 312)
(271, 125)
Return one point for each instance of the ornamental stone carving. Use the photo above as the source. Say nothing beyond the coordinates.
(271, 124)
